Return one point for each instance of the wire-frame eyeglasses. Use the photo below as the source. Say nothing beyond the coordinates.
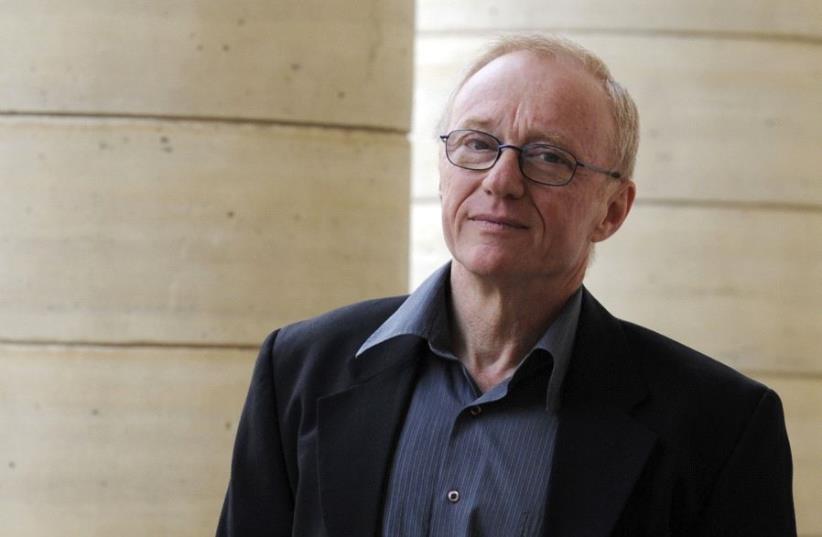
(539, 162)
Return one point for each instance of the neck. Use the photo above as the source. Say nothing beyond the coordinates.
(497, 321)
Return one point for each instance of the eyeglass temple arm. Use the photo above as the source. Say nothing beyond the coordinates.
(609, 173)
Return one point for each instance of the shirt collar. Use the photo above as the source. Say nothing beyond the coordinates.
(425, 314)
(559, 341)
(418, 315)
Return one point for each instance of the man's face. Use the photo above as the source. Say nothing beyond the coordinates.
(496, 222)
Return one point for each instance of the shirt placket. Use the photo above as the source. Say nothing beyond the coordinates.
(457, 486)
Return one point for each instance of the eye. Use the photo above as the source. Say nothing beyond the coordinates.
(472, 141)
(478, 142)
(546, 155)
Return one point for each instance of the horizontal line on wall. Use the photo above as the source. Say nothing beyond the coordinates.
(641, 32)
(799, 375)
(778, 206)
(128, 344)
(199, 119)
(700, 204)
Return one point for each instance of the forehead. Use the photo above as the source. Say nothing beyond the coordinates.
(522, 97)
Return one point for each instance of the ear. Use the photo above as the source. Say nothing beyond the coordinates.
(619, 205)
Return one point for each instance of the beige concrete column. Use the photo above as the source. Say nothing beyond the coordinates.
(723, 250)
(178, 178)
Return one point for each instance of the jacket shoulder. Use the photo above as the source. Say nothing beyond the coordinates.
(354, 322)
(694, 399)
(324, 343)
(665, 360)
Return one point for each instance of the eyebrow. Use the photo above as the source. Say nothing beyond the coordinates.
(478, 124)
(547, 137)
(552, 138)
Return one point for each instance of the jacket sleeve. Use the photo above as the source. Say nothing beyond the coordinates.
(753, 495)
(259, 500)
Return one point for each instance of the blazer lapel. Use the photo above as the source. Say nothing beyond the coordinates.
(357, 432)
(600, 448)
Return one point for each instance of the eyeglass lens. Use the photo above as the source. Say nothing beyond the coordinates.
(543, 163)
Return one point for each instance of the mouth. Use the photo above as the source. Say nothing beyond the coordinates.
(500, 222)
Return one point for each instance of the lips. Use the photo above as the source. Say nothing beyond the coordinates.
(498, 220)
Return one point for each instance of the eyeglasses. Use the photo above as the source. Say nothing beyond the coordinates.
(541, 163)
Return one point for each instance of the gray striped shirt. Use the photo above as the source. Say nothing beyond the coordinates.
(472, 464)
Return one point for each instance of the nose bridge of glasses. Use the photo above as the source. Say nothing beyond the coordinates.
(517, 161)
(518, 154)
(509, 146)
(518, 150)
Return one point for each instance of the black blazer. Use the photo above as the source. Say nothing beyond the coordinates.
(654, 439)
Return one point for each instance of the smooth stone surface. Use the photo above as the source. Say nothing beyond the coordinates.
(762, 18)
(126, 442)
(189, 232)
(328, 62)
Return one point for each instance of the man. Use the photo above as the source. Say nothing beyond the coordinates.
(500, 398)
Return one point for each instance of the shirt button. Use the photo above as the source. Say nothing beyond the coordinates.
(476, 410)
(453, 496)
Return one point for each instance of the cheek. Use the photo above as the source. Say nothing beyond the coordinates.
(567, 216)
(444, 168)
(556, 207)
(449, 213)
(453, 192)
(448, 209)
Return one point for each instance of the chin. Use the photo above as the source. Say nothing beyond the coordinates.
(492, 264)
(516, 265)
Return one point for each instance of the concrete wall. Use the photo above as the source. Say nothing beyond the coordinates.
(178, 178)
(723, 250)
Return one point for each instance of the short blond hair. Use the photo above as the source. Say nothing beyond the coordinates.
(623, 108)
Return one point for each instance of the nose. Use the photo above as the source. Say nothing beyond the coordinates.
(505, 179)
